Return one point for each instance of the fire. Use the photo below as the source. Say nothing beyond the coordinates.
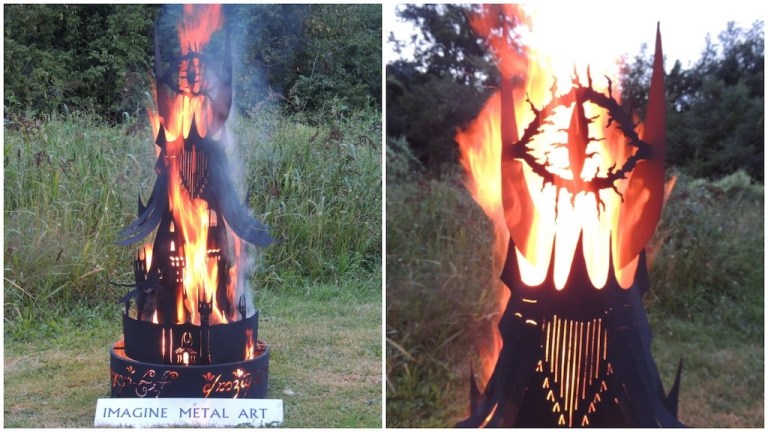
(250, 346)
(480, 157)
(195, 30)
(147, 254)
(191, 105)
(546, 219)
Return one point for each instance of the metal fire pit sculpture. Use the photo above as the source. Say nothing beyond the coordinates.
(574, 354)
(189, 327)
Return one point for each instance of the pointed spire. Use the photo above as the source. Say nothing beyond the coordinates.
(161, 140)
(672, 398)
(656, 117)
(474, 392)
(644, 196)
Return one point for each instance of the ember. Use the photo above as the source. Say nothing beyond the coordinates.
(579, 194)
(190, 328)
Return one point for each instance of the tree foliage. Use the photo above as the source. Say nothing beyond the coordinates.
(75, 57)
(715, 118)
(443, 87)
(311, 58)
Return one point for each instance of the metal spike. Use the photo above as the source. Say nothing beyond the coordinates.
(672, 397)
(656, 119)
(474, 392)
(161, 140)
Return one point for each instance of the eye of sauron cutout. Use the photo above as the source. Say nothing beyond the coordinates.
(543, 157)
(191, 71)
(582, 167)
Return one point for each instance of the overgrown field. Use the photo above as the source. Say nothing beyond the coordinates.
(71, 185)
(705, 303)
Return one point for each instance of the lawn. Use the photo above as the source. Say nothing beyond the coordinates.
(325, 363)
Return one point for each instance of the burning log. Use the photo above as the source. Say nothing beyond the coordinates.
(581, 193)
(189, 327)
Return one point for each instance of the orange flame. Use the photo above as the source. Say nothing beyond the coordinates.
(551, 223)
(195, 30)
(185, 107)
(480, 156)
(250, 346)
(145, 253)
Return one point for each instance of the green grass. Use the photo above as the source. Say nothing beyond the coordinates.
(723, 372)
(71, 185)
(320, 191)
(705, 303)
(440, 294)
(325, 362)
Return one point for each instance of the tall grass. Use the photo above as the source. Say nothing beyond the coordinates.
(319, 189)
(440, 293)
(710, 263)
(706, 295)
(71, 185)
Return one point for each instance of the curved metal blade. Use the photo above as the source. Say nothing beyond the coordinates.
(644, 197)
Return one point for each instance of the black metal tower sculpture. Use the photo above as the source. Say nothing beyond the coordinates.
(575, 355)
(185, 340)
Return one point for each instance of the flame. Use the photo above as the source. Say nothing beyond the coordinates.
(148, 254)
(480, 157)
(192, 217)
(195, 30)
(250, 346)
(551, 66)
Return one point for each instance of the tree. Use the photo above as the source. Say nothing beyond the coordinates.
(317, 58)
(68, 57)
(342, 61)
(445, 85)
(312, 57)
(715, 119)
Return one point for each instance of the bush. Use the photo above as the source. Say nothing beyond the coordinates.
(710, 261)
(63, 58)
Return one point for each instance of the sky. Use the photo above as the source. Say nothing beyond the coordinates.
(684, 25)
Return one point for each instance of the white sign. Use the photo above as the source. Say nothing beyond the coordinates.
(155, 412)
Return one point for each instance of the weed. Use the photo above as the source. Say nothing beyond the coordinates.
(439, 294)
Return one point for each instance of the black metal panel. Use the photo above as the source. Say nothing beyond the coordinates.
(133, 379)
(155, 343)
(622, 388)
